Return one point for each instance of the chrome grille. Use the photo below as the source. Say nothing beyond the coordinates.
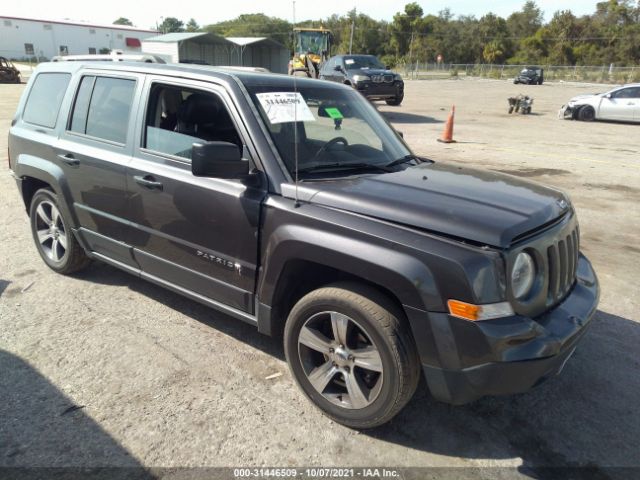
(562, 261)
(382, 78)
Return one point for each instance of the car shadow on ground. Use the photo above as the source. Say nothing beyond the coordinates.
(571, 420)
(3, 286)
(43, 434)
(105, 274)
(408, 118)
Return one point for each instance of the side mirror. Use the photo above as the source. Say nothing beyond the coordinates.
(387, 67)
(219, 160)
(400, 134)
(338, 68)
(608, 95)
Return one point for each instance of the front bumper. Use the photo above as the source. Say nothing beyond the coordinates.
(566, 112)
(464, 360)
(381, 91)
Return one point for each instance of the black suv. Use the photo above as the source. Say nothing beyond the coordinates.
(367, 75)
(373, 266)
(530, 76)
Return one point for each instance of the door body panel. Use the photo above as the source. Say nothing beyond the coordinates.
(95, 173)
(198, 233)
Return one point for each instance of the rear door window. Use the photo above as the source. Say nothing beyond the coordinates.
(102, 108)
(45, 98)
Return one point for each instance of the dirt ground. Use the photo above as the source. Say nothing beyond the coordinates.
(104, 369)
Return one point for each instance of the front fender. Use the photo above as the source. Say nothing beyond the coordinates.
(403, 275)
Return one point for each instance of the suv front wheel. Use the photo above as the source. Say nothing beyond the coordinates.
(52, 234)
(397, 100)
(351, 352)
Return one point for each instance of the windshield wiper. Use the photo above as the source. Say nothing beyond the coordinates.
(343, 166)
(405, 159)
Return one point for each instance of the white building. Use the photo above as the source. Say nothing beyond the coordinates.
(25, 38)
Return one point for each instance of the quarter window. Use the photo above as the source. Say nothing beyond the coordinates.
(178, 117)
(102, 108)
(45, 98)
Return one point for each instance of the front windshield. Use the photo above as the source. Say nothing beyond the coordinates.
(336, 130)
(357, 63)
(314, 42)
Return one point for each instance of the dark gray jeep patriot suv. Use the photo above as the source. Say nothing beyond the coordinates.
(292, 205)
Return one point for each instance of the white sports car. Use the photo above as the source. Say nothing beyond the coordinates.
(621, 104)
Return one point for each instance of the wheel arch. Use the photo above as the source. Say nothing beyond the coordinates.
(297, 266)
(35, 173)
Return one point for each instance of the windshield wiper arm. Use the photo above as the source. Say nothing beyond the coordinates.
(343, 166)
(405, 159)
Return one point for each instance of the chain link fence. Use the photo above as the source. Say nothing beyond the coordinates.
(593, 74)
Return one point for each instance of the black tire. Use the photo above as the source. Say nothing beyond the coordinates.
(540, 82)
(395, 101)
(586, 114)
(384, 325)
(62, 259)
(511, 110)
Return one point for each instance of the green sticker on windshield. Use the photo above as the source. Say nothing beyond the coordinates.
(334, 113)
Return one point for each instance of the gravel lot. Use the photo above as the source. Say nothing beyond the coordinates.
(165, 382)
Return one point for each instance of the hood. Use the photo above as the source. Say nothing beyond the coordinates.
(371, 71)
(481, 206)
(577, 98)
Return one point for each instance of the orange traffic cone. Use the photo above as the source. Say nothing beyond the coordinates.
(447, 134)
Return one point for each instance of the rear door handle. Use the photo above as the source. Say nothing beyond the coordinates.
(69, 159)
(148, 181)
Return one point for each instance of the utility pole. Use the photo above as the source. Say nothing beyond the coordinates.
(353, 26)
(411, 47)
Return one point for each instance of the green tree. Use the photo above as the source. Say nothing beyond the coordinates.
(171, 24)
(254, 25)
(492, 52)
(495, 36)
(192, 25)
(526, 22)
(404, 28)
(123, 21)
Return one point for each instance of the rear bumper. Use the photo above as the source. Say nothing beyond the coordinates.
(463, 360)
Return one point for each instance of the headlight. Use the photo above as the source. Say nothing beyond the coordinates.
(523, 274)
(360, 78)
(398, 77)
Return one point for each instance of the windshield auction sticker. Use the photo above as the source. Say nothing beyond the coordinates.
(285, 107)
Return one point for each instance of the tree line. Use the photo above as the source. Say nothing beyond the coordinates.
(609, 35)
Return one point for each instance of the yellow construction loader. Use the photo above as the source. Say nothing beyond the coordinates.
(312, 46)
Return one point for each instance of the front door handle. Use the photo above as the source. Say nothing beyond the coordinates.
(69, 159)
(148, 181)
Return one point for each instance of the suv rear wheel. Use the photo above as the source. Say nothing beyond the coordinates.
(351, 352)
(54, 239)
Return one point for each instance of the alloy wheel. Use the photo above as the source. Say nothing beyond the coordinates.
(51, 232)
(340, 360)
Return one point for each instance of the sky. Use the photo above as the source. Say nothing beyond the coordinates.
(147, 14)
